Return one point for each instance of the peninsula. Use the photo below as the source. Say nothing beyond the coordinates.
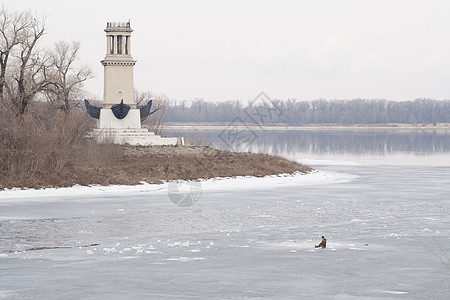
(131, 165)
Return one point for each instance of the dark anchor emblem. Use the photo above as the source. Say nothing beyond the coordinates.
(92, 110)
(145, 110)
(121, 110)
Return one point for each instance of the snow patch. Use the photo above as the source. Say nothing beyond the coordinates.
(396, 292)
(185, 259)
(267, 182)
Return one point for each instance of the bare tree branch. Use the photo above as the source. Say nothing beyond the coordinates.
(65, 76)
(160, 110)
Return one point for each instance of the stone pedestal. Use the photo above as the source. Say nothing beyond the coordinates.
(107, 120)
(128, 131)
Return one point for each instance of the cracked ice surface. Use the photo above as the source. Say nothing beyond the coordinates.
(387, 228)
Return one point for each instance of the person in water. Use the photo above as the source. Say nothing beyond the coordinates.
(322, 244)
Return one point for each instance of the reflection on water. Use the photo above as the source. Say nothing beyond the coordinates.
(334, 143)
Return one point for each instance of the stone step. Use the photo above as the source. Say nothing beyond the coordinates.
(138, 136)
(124, 131)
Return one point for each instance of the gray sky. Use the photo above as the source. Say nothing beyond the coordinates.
(227, 50)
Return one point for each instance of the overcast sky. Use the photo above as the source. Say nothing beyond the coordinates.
(227, 50)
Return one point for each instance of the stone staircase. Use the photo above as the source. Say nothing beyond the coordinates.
(134, 137)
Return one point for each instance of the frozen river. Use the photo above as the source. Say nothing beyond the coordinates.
(381, 200)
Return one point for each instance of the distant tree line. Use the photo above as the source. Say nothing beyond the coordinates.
(293, 112)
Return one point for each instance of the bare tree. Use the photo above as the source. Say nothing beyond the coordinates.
(13, 28)
(159, 111)
(22, 64)
(33, 63)
(65, 76)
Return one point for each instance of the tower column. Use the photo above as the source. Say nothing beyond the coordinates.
(113, 45)
(127, 44)
(108, 44)
(124, 44)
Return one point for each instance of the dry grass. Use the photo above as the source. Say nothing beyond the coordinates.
(37, 150)
(156, 164)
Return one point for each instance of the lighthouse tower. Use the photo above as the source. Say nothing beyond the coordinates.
(118, 78)
(119, 118)
(118, 65)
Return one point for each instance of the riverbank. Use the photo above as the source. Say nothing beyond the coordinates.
(128, 165)
(243, 126)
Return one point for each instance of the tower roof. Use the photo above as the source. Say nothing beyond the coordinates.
(118, 26)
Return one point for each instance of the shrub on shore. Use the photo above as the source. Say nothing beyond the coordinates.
(42, 149)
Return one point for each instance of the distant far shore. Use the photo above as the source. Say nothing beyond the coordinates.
(206, 126)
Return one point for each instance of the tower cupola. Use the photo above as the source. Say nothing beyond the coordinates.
(118, 38)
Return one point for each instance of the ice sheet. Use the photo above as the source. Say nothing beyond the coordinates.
(387, 227)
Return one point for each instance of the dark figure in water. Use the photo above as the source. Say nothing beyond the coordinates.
(323, 243)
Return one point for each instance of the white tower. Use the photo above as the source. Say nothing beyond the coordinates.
(118, 65)
(118, 78)
(119, 119)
